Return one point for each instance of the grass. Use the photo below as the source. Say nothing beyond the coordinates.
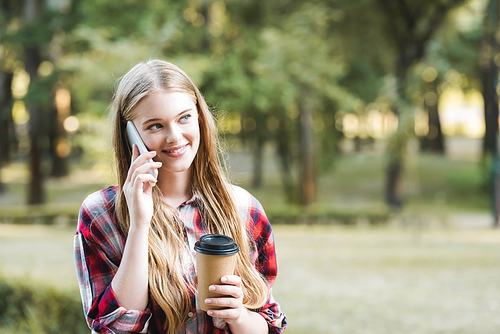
(38, 252)
(388, 280)
(334, 279)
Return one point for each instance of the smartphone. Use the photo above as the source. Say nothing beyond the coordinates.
(135, 138)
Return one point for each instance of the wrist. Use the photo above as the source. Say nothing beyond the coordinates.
(241, 320)
(138, 229)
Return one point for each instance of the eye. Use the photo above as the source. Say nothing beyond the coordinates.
(155, 126)
(185, 118)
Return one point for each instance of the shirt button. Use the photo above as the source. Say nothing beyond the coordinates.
(190, 314)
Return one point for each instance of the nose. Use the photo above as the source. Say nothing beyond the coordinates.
(174, 134)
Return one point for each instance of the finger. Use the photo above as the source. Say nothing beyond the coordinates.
(139, 161)
(135, 152)
(231, 279)
(141, 180)
(224, 314)
(223, 302)
(144, 169)
(228, 290)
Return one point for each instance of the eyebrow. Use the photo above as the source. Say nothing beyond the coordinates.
(156, 119)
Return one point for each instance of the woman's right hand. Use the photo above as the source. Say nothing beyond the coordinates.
(139, 186)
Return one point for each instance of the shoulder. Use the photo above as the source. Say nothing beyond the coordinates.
(99, 202)
(240, 195)
(258, 226)
(98, 231)
(98, 210)
(245, 201)
(251, 211)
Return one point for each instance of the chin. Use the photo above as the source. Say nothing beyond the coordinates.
(178, 168)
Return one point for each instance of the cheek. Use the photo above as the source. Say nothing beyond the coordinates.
(196, 140)
(153, 142)
(195, 134)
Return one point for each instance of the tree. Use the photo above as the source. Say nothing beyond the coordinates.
(302, 63)
(36, 25)
(6, 123)
(409, 26)
(488, 74)
(489, 77)
(8, 55)
(434, 140)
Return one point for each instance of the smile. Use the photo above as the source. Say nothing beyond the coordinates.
(176, 151)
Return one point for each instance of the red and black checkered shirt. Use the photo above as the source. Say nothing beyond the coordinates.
(99, 245)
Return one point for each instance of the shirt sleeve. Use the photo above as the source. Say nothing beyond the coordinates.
(266, 264)
(97, 257)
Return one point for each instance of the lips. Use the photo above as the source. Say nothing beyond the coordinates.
(176, 151)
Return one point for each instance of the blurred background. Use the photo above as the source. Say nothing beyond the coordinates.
(367, 129)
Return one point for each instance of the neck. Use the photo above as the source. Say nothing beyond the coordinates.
(174, 187)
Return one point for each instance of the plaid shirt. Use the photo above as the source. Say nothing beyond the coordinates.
(99, 245)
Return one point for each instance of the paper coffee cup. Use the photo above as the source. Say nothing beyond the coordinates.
(215, 258)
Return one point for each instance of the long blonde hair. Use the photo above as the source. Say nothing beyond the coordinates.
(220, 212)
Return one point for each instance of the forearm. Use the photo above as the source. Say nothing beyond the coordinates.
(249, 323)
(130, 283)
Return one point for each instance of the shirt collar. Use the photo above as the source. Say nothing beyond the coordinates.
(194, 200)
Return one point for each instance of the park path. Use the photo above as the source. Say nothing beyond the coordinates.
(472, 220)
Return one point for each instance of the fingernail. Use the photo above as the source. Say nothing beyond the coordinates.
(158, 163)
(208, 301)
(210, 312)
(224, 279)
(211, 288)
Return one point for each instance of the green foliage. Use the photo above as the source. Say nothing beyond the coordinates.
(255, 61)
(30, 308)
(465, 186)
(293, 215)
(38, 214)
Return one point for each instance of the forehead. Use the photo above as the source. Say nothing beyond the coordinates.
(164, 105)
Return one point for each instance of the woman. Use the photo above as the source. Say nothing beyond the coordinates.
(134, 246)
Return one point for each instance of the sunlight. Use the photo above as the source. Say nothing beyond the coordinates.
(20, 83)
(461, 114)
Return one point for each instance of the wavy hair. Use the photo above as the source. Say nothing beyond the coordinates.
(220, 212)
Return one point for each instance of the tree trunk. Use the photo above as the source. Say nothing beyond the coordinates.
(490, 98)
(258, 162)
(394, 170)
(35, 191)
(489, 79)
(490, 141)
(32, 61)
(5, 121)
(285, 156)
(434, 140)
(393, 194)
(260, 141)
(306, 150)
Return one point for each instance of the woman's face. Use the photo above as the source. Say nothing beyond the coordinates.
(168, 124)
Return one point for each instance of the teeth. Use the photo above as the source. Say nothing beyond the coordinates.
(176, 151)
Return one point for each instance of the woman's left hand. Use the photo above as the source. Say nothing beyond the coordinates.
(233, 310)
